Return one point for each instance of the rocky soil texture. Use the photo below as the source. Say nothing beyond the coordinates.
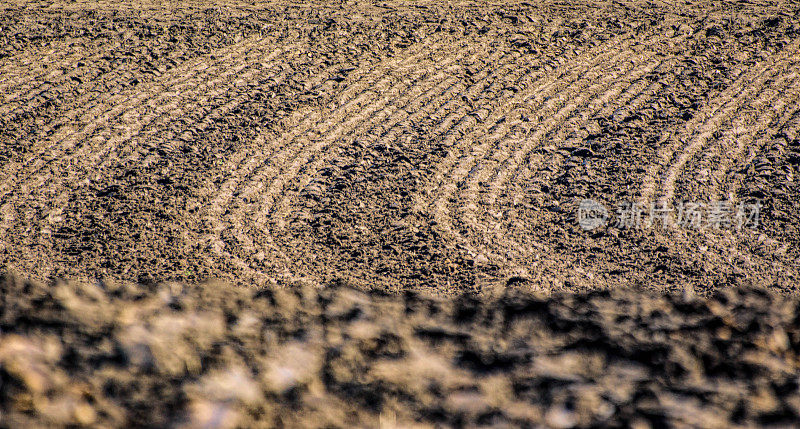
(213, 355)
(372, 213)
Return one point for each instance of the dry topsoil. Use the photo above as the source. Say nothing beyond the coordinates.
(417, 146)
(214, 355)
(389, 192)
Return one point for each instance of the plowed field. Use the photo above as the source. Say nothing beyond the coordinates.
(433, 146)
(417, 151)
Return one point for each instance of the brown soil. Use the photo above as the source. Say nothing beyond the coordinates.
(429, 147)
(214, 355)
(439, 148)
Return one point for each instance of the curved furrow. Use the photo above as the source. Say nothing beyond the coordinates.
(785, 124)
(631, 99)
(442, 97)
(548, 102)
(100, 117)
(474, 175)
(304, 166)
(610, 104)
(26, 95)
(387, 129)
(457, 122)
(31, 61)
(302, 121)
(502, 130)
(541, 85)
(249, 165)
(90, 89)
(446, 85)
(701, 127)
(187, 104)
(445, 106)
(174, 109)
(96, 111)
(25, 184)
(505, 161)
(248, 162)
(755, 120)
(253, 168)
(28, 92)
(619, 96)
(708, 129)
(349, 104)
(393, 112)
(453, 111)
(729, 186)
(38, 71)
(151, 125)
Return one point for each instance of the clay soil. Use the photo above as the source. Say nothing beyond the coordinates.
(366, 213)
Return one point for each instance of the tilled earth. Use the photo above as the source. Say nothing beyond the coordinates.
(212, 355)
(434, 156)
(425, 146)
